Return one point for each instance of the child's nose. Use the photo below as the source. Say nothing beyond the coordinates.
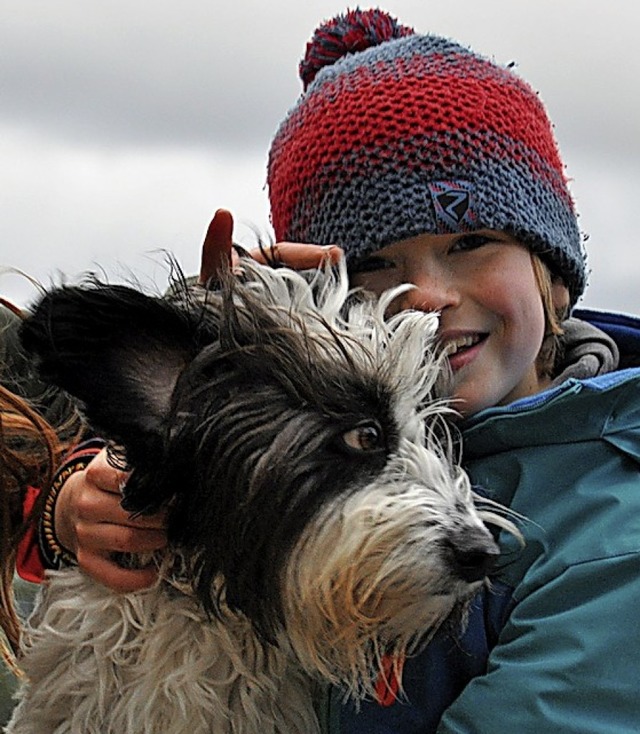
(431, 293)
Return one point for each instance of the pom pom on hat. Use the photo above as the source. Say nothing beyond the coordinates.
(354, 31)
(399, 134)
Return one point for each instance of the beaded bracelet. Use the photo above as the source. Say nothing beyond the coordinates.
(53, 553)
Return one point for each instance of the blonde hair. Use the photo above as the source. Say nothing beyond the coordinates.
(549, 353)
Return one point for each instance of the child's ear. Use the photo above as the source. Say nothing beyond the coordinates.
(120, 353)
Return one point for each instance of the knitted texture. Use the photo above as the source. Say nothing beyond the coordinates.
(399, 134)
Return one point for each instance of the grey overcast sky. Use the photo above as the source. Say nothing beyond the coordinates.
(124, 124)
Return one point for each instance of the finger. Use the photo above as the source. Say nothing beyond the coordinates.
(119, 579)
(107, 538)
(104, 476)
(297, 255)
(158, 521)
(93, 505)
(217, 246)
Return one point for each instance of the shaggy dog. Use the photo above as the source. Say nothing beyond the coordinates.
(319, 525)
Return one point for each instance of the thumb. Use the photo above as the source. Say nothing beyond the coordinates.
(217, 246)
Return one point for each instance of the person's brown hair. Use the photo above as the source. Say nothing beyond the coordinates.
(29, 452)
(553, 316)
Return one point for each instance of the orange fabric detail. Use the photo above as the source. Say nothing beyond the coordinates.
(28, 560)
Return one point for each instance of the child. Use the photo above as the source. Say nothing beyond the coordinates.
(431, 165)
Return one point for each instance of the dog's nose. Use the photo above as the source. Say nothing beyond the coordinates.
(472, 554)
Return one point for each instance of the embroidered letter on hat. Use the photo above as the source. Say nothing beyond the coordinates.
(453, 204)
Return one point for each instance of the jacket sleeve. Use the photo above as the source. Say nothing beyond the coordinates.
(566, 661)
(30, 565)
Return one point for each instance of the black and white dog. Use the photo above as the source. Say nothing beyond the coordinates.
(319, 525)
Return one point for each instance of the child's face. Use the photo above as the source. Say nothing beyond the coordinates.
(491, 314)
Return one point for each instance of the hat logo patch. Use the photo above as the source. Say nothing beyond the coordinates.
(452, 203)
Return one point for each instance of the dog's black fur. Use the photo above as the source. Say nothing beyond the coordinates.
(242, 380)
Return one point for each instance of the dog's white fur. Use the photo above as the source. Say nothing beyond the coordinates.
(151, 663)
(367, 577)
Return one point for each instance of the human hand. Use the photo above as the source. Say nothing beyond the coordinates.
(217, 249)
(90, 522)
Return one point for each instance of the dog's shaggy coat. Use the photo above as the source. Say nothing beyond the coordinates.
(317, 520)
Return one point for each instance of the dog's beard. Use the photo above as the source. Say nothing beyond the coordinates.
(372, 577)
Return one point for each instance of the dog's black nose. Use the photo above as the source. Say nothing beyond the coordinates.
(472, 554)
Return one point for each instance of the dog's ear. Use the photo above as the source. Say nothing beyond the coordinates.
(119, 352)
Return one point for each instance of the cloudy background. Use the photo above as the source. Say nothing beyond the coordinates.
(124, 124)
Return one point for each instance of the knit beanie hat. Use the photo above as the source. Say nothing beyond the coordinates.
(398, 134)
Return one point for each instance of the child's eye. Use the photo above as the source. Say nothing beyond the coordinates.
(471, 241)
(370, 264)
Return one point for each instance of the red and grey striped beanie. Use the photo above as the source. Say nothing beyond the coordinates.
(398, 134)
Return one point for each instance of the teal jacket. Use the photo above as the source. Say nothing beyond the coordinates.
(554, 646)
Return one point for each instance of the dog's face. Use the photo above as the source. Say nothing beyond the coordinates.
(300, 453)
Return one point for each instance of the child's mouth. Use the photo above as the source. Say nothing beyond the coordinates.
(462, 349)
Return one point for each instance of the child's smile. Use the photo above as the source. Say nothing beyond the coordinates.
(462, 349)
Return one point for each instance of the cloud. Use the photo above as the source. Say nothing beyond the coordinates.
(607, 195)
(68, 209)
(122, 72)
(117, 73)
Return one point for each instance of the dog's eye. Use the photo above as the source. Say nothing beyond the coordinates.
(364, 437)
